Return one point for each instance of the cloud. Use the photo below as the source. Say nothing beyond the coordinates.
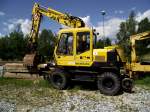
(23, 24)
(141, 16)
(87, 20)
(2, 13)
(26, 26)
(119, 11)
(112, 24)
(111, 27)
(1, 35)
(133, 8)
(63, 26)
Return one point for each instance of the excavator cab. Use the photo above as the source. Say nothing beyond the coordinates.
(75, 47)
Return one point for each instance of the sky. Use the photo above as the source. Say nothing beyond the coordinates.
(14, 12)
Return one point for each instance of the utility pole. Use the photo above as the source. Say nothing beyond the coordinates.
(103, 12)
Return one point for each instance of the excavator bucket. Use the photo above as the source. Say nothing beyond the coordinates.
(30, 60)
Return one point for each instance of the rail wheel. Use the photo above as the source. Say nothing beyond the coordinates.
(109, 83)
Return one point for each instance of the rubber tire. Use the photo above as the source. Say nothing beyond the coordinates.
(114, 90)
(64, 77)
(129, 89)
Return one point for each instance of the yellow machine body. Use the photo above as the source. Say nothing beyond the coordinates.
(86, 58)
(135, 65)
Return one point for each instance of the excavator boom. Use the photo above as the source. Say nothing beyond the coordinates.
(37, 13)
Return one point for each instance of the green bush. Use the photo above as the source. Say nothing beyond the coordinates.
(143, 81)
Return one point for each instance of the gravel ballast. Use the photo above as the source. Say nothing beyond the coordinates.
(51, 100)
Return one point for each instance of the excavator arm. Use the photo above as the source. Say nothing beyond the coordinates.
(64, 19)
(37, 13)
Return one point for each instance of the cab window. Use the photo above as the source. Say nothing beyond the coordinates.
(83, 42)
(94, 40)
(65, 46)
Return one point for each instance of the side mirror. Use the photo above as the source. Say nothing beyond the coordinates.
(94, 30)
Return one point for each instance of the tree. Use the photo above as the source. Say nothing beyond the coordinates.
(100, 44)
(103, 43)
(3, 47)
(131, 24)
(143, 25)
(18, 44)
(13, 46)
(107, 42)
(46, 43)
(122, 34)
(127, 29)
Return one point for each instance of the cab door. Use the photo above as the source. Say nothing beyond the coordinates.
(64, 51)
(84, 48)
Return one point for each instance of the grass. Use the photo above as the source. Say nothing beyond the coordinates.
(44, 83)
(144, 81)
(23, 83)
(29, 92)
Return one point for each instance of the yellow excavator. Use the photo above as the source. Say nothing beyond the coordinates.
(76, 56)
(139, 63)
